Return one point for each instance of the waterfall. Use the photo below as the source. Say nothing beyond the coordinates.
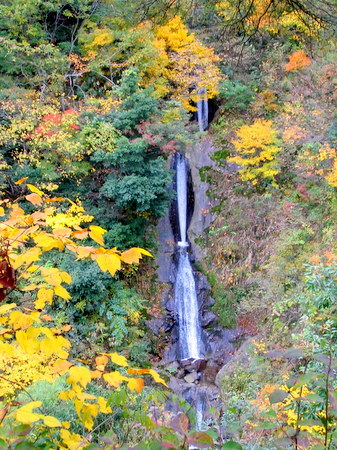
(182, 197)
(202, 106)
(185, 295)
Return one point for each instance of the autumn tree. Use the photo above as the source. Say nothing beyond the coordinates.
(256, 147)
(32, 348)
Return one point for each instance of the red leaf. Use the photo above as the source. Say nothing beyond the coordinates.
(7, 276)
(180, 423)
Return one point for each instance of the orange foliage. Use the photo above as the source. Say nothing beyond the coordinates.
(297, 61)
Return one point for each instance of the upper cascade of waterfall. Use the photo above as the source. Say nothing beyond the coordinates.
(202, 110)
(181, 169)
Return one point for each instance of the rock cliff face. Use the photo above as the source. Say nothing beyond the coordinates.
(199, 157)
(193, 379)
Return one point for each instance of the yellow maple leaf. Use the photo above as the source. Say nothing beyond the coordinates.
(66, 277)
(95, 374)
(48, 242)
(62, 292)
(52, 276)
(29, 344)
(52, 345)
(133, 255)
(157, 378)
(109, 263)
(71, 440)
(20, 320)
(136, 384)
(25, 413)
(44, 295)
(118, 359)
(6, 349)
(114, 378)
(34, 189)
(87, 415)
(31, 255)
(78, 374)
(5, 308)
(61, 366)
(96, 234)
(35, 199)
(80, 234)
(83, 252)
(103, 405)
(101, 362)
(51, 421)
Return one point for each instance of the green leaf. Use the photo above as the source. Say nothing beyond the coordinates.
(315, 398)
(232, 445)
(305, 379)
(278, 396)
(232, 410)
(270, 413)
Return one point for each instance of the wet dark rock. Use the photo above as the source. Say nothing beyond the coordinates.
(210, 373)
(202, 283)
(240, 358)
(190, 365)
(191, 377)
(166, 249)
(157, 326)
(173, 366)
(199, 157)
(208, 318)
(181, 373)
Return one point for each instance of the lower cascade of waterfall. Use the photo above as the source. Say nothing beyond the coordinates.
(187, 309)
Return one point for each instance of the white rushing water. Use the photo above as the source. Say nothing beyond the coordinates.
(186, 302)
(182, 196)
(202, 106)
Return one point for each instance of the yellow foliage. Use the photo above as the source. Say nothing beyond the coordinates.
(26, 415)
(79, 375)
(20, 367)
(287, 409)
(256, 147)
(189, 65)
(108, 263)
(30, 352)
(118, 359)
(96, 234)
(170, 58)
(74, 217)
(321, 163)
(72, 441)
(259, 15)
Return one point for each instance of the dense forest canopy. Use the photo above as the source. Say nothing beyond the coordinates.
(96, 96)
